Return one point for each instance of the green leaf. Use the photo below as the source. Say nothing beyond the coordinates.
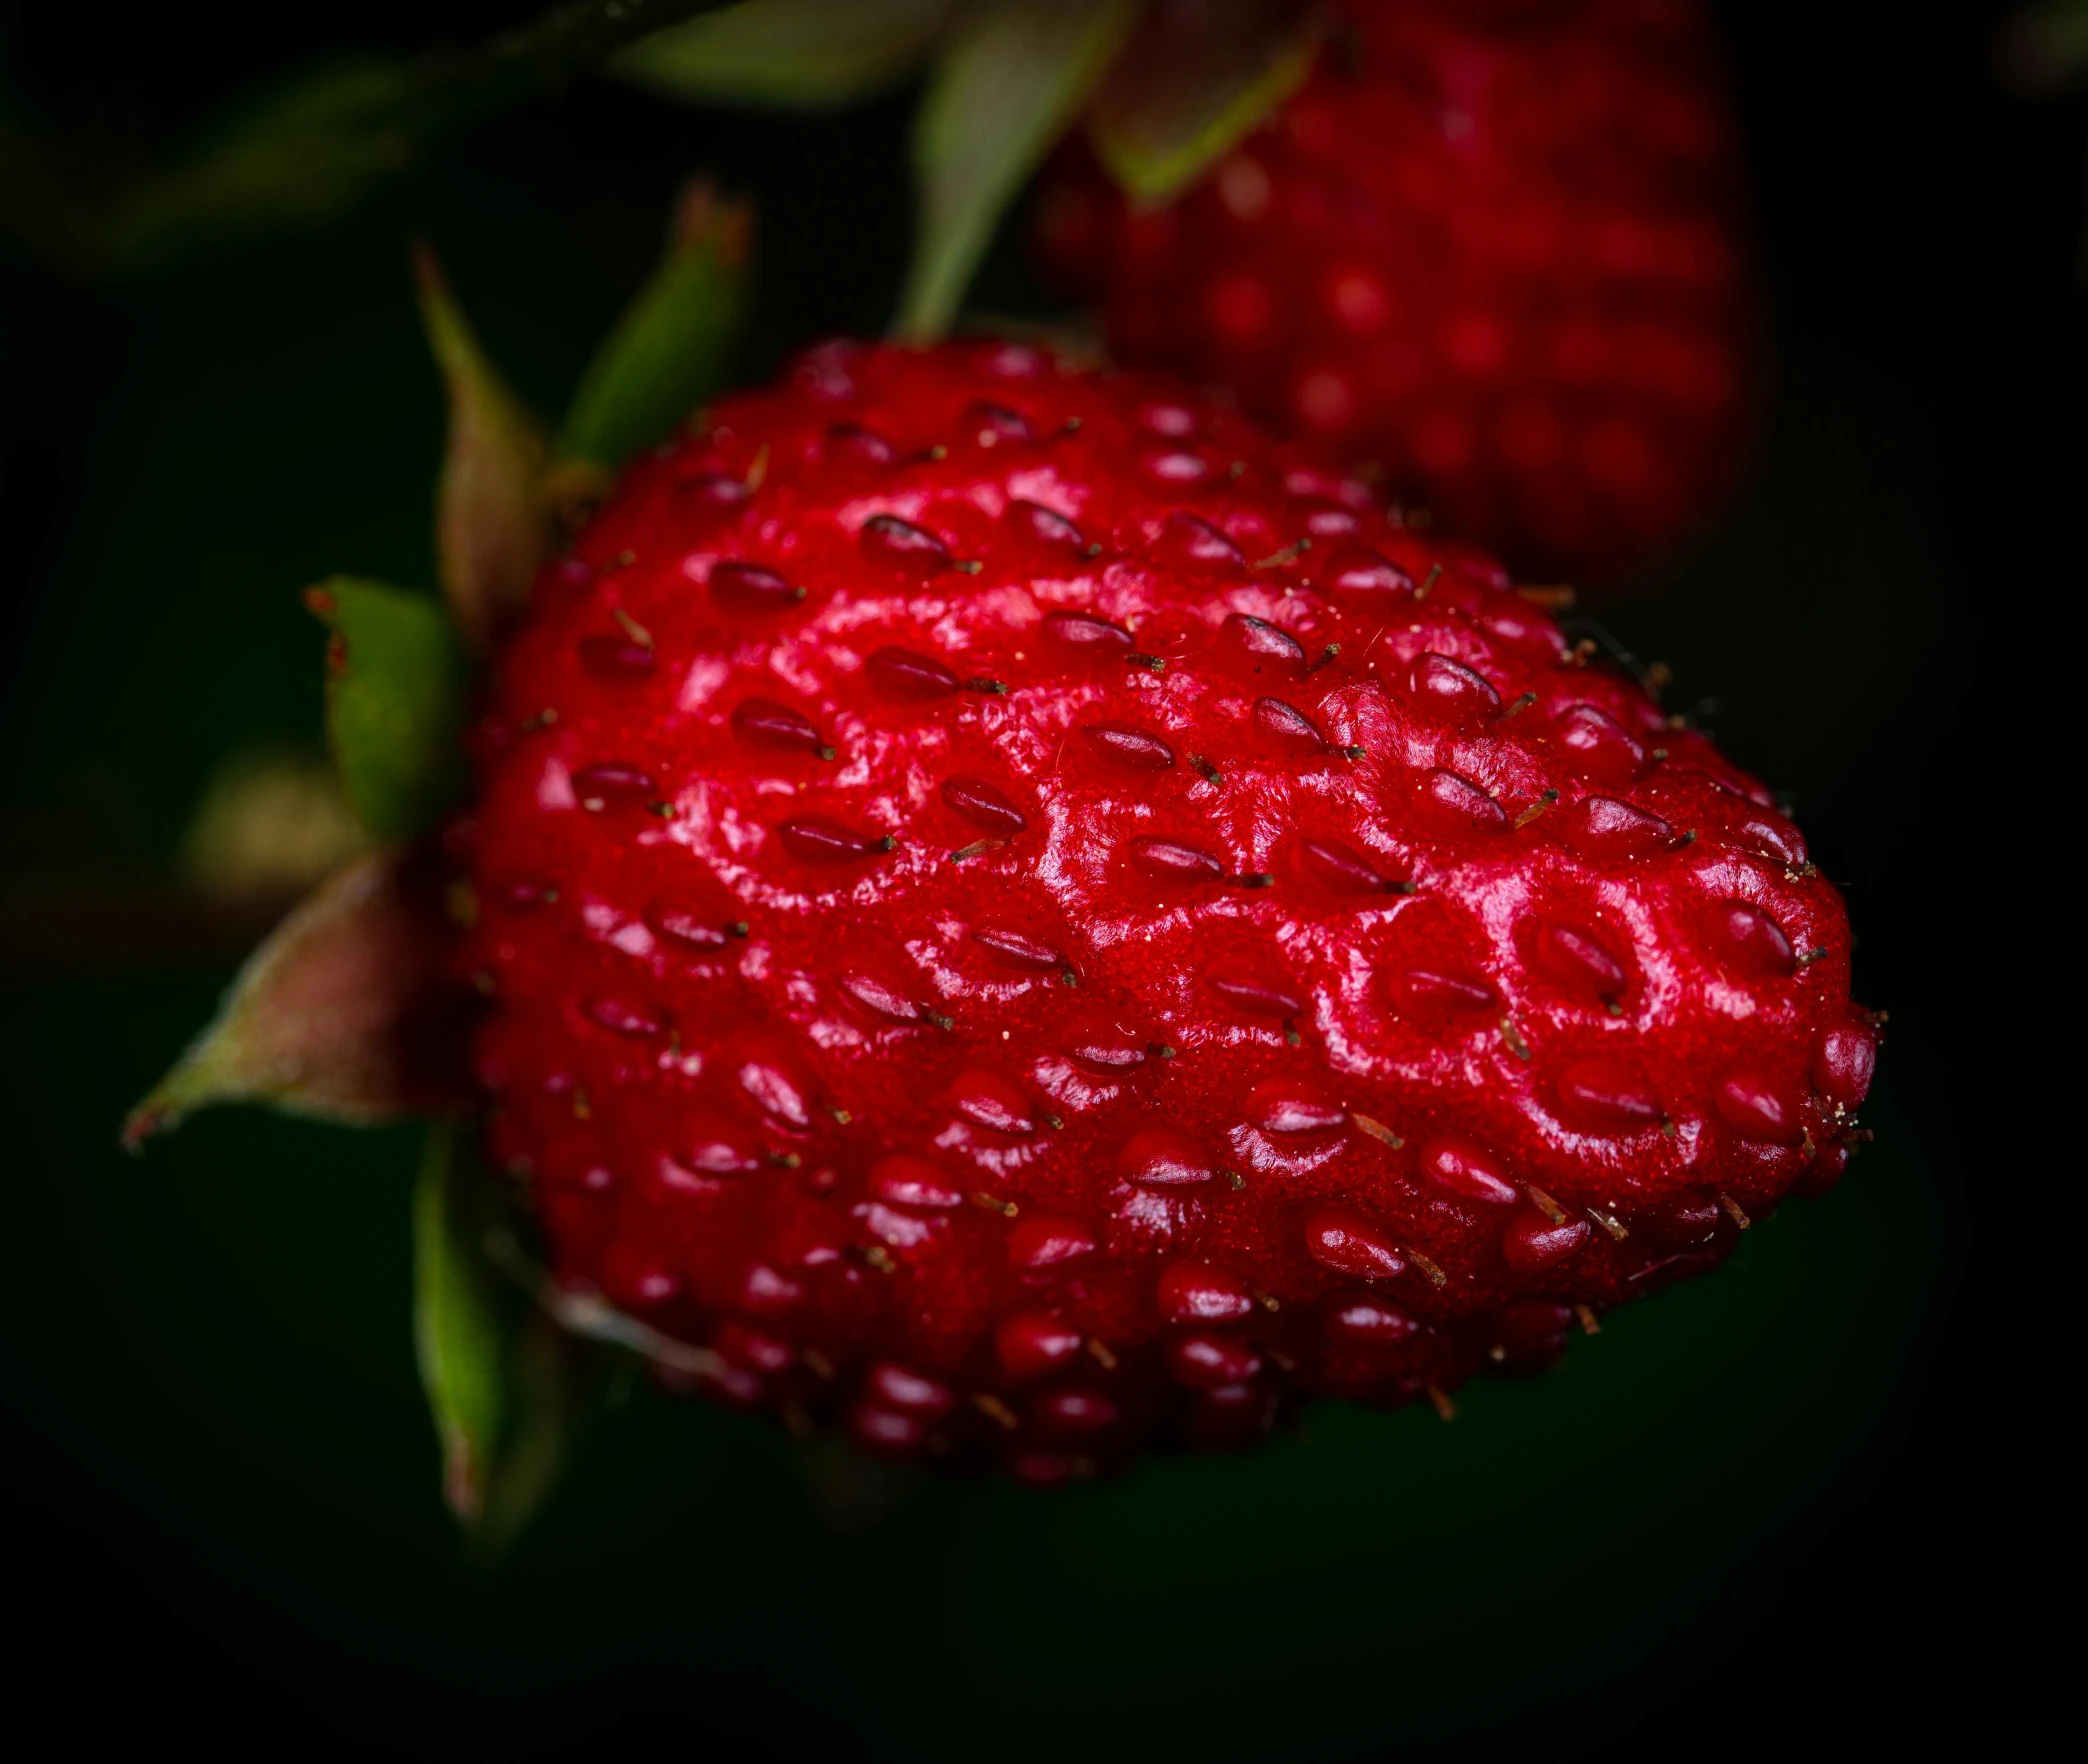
(394, 703)
(790, 54)
(346, 1012)
(1010, 79)
(493, 526)
(671, 349)
(1195, 77)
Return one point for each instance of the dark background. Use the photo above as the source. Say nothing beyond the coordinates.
(1814, 1501)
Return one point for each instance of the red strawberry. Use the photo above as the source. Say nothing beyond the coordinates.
(1489, 249)
(1021, 914)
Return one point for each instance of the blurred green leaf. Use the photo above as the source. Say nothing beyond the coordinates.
(1010, 79)
(394, 703)
(1195, 77)
(345, 1012)
(493, 526)
(673, 346)
(304, 155)
(314, 147)
(792, 54)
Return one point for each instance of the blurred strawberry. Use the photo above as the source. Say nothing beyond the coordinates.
(1488, 249)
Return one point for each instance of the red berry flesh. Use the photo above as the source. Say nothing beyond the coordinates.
(928, 988)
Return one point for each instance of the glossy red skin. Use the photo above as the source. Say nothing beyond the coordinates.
(732, 1145)
(1490, 251)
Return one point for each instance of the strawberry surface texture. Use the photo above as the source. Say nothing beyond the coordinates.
(1024, 918)
(1488, 249)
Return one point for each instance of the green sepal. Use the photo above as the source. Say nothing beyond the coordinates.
(789, 54)
(457, 1339)
(493, 525)
(1195, 77)
(503, 1381)
(394, 703)
(673, 346)
(347, 1012)
(1010, 78)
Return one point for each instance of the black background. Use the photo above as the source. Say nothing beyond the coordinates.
(1814, 1501)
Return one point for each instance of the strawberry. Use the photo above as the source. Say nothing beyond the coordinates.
(1489, 250)
(1020, 914)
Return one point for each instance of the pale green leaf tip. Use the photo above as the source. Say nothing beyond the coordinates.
(493, 527)
(451, 339)
(671, 348)
(168, 1102)
(458, 353)
(705, 220)
(956, 226)
(322, 601)
(440, 319)
(1152, 178)
(203, 1075)
(463, 1476)
(207, 1075)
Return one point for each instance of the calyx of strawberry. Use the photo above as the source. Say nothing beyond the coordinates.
(351, 1011)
